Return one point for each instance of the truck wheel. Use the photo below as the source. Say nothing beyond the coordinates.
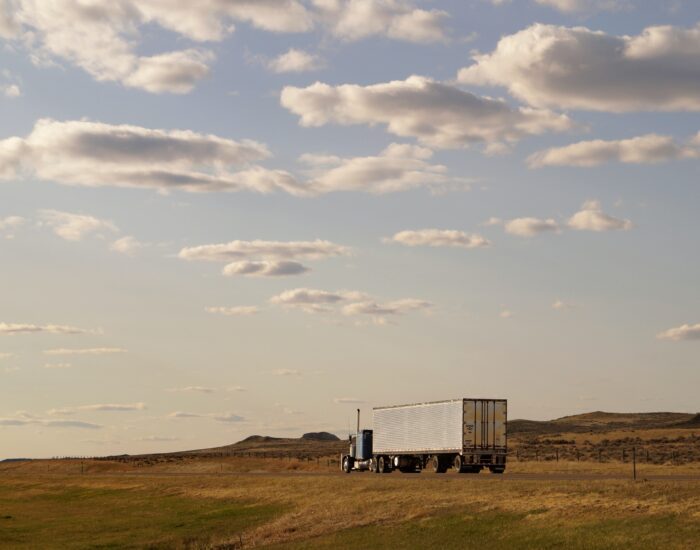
(373, 466)
(382, 466)
(497, 469)
(458, 464)
(438, 465)
(347, 465)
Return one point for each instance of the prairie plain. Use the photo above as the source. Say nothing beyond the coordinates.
(289, 493)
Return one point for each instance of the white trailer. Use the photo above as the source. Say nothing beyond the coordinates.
(468, 434)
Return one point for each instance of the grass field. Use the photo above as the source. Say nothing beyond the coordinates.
(162, 507)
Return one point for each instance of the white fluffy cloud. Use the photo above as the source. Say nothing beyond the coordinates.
(585, 6)
(29, 328)
(235, 311)
(127, 245)
(577, 68)
(592, 218)
(84, 351)
(439, 237)
(10, 90)
(103, 36)
(94, 154)
(347, 302)
(295, 61)
(398, 19)
(399, 167)
(683, 332)
(264, 268)
(263, 258)
(437, 114)
(73, 227)
(529, 227)
(647, 149)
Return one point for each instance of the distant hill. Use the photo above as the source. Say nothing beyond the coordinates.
(600, 421)
(320, 436)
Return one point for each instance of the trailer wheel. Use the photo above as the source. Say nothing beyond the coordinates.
(373, 466)
(347, 465)
(497, 469)
(438, 465)
(382, 465)
(458, 464)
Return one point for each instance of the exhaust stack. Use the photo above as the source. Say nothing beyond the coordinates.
(358, 421)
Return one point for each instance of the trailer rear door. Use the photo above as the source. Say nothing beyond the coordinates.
(484, 424)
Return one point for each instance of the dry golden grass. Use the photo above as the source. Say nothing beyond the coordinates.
(319, 505)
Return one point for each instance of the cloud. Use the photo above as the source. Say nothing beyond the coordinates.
(585, 6)
(73, 227)
(236, 388)
(398, 19)
(157, 439)
(100, 407)
(228, 417)
(49, 423)
(286, 372)
(95, 154)
(57, 365)
(506, 314)
(647, 149)
(348, 400)
(28, 328)
(295, 61)
(439, 237)
(70, 424)
(127, 245)
(10, 90)
(399, 167)
(351, 303)
(529, 227)
(103, 36)
(561, 305)
(84, 351)
(9, 224)
(235, 311)
(312, 300)
(112, 407)
(396, 307)
(6, 356)
(437, 114)
(219, 417)
(592, 218)
(577, 68)
(683, 332)
(264, 268)
(196, 389)
(174, 72)
(260, 258)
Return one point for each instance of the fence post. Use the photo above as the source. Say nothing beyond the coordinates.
(634, 463)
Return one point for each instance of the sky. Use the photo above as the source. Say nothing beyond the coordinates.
(253, 217)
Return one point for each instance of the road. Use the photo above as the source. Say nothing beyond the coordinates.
(424, 477)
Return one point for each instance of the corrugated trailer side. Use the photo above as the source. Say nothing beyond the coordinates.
(467, 434)
(419, 428)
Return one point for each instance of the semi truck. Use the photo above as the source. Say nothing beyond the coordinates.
(465, 434)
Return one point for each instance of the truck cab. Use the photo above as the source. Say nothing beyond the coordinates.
(360, 453)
